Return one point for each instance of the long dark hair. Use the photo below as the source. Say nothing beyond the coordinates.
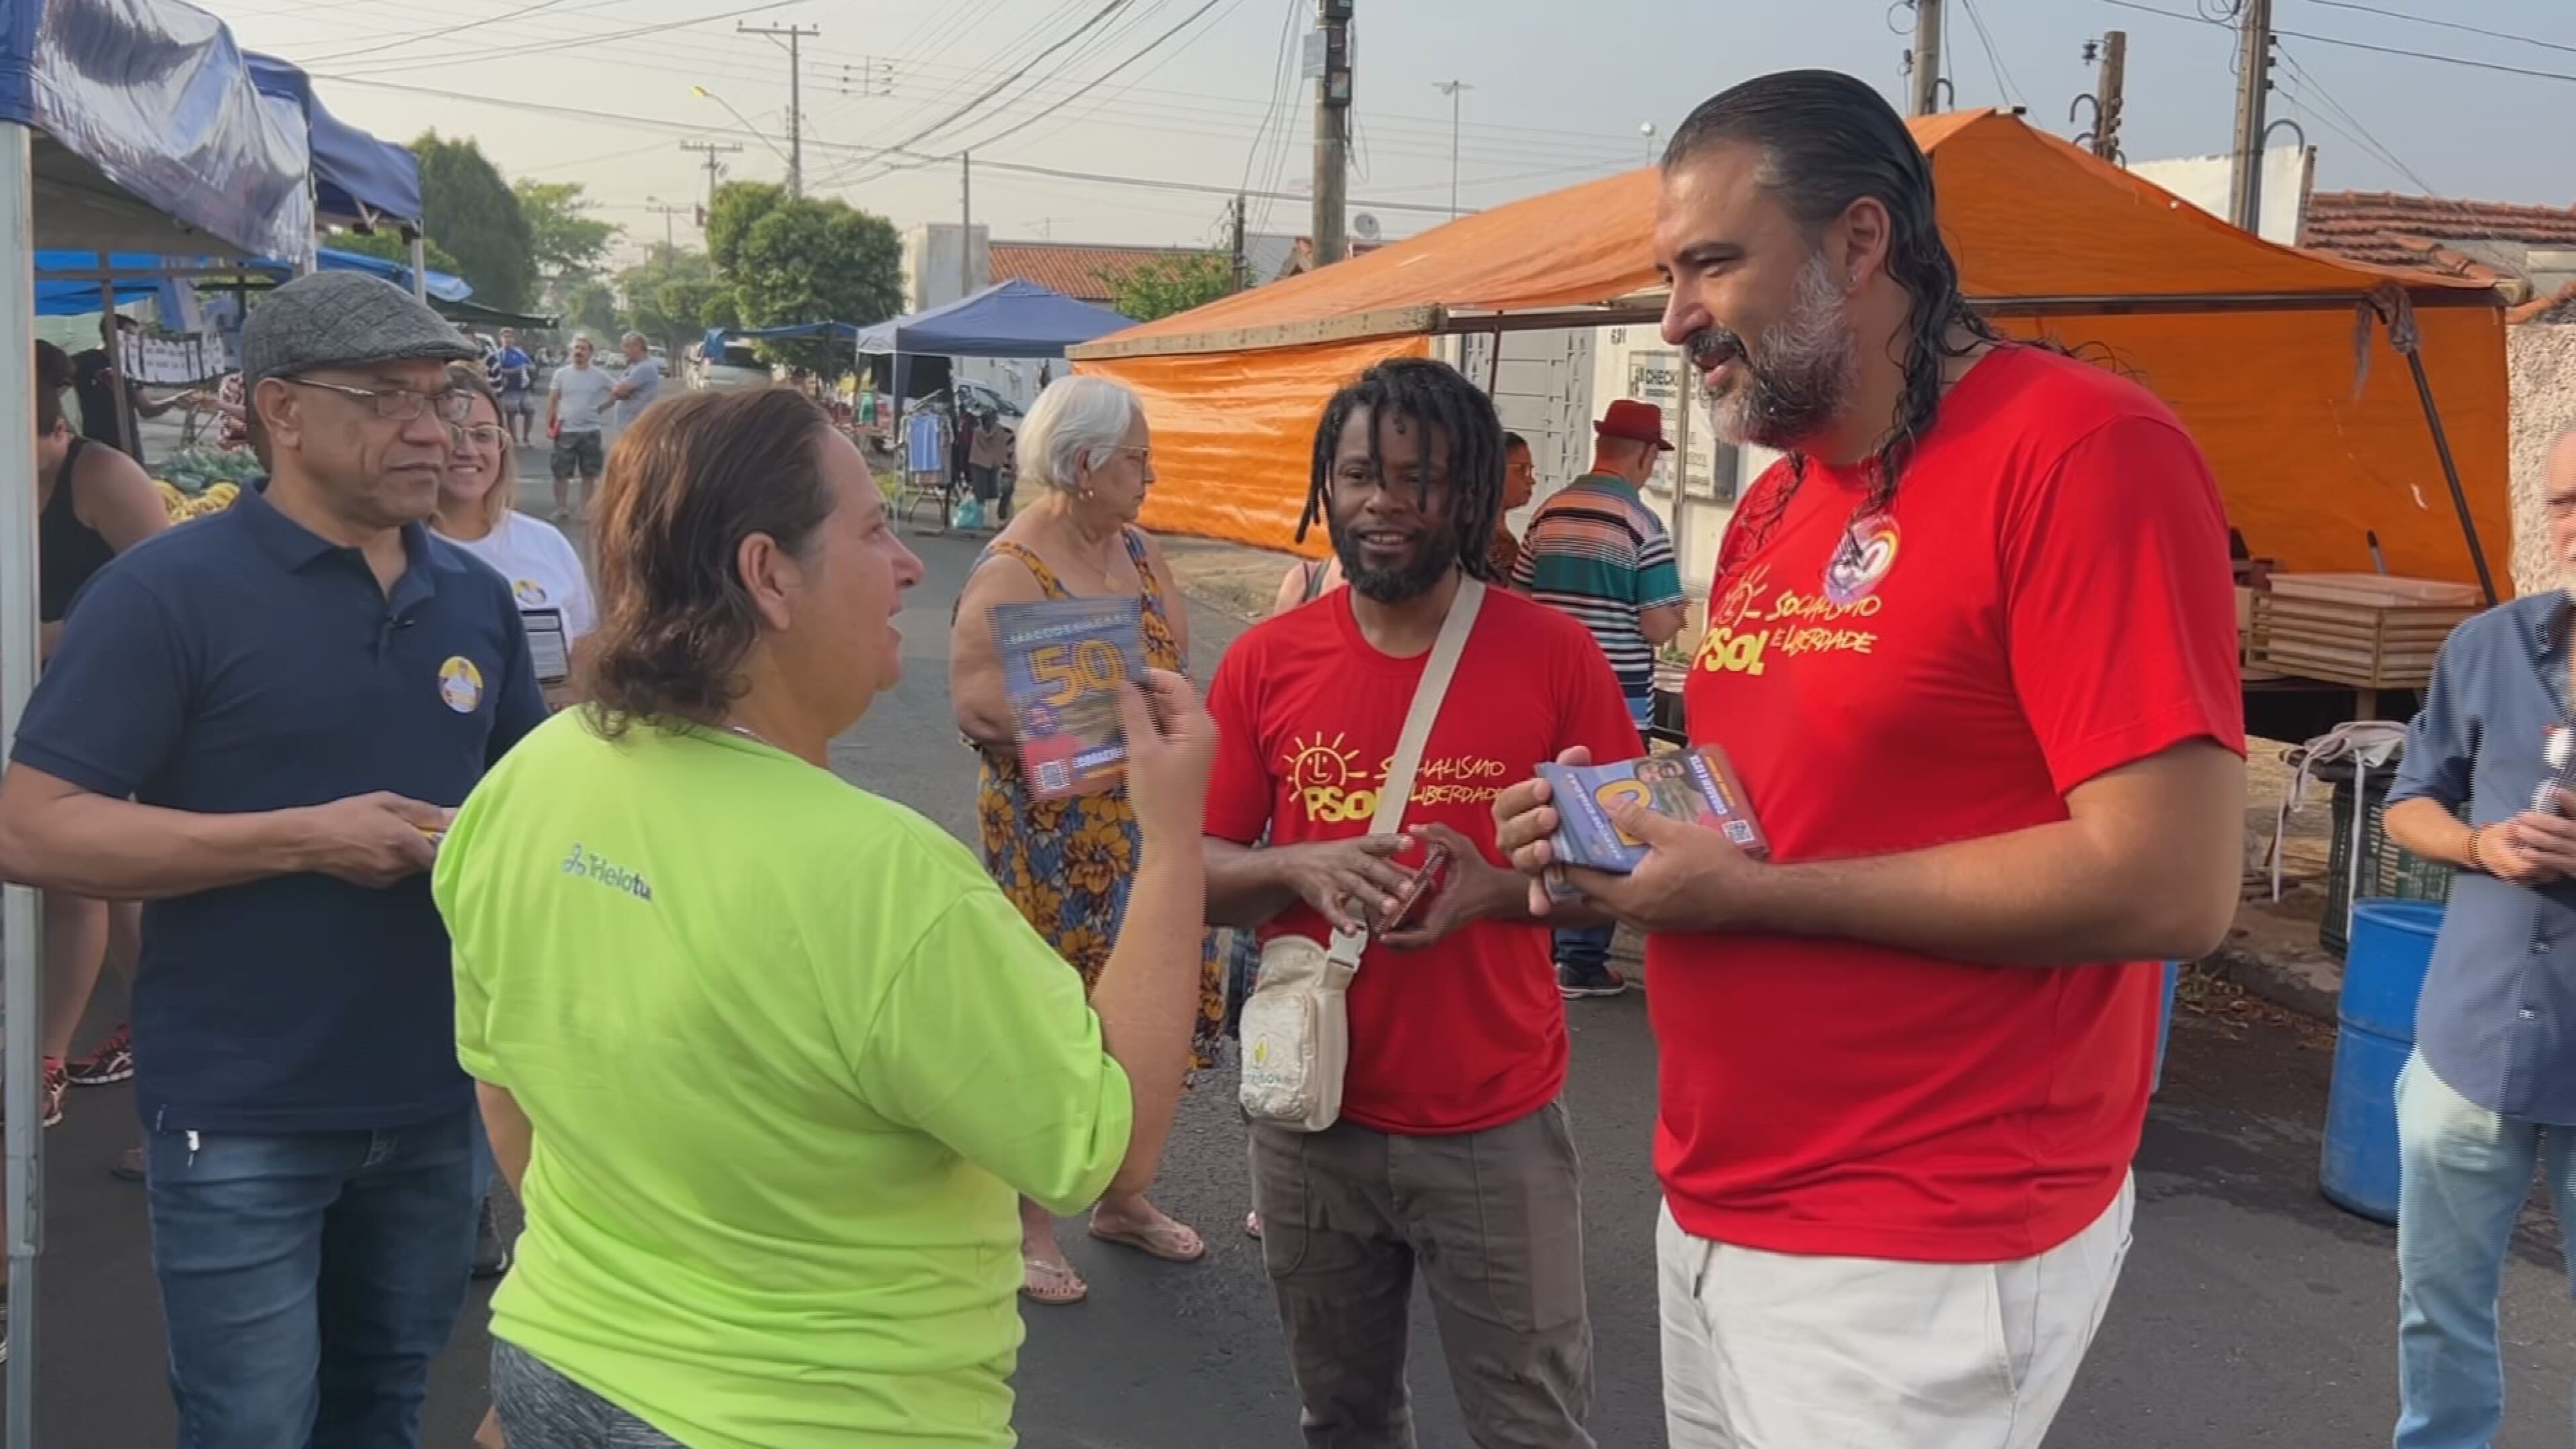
(1828, 140)
(1435, 398)
(690, 480)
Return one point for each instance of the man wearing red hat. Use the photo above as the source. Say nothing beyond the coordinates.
(1597, 552)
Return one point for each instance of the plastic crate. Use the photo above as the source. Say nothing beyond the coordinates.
(2389, 871)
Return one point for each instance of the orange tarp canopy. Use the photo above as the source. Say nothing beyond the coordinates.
(2310, 421)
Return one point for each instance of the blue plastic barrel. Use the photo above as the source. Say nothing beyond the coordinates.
(2392, 947)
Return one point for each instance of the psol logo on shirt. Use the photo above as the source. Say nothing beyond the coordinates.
(1752, 625)
(1333, 786)
(529, 593)
(460, 684)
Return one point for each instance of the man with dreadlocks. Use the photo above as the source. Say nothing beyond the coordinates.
(1451, 1158)
(1972, 650)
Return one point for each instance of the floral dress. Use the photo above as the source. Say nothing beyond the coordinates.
(1066, 864)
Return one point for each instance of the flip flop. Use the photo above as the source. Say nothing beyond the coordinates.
(1171, 1242)
(1252, 1225)
(1052, 1283)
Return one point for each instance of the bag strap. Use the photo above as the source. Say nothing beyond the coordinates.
(1418, 719)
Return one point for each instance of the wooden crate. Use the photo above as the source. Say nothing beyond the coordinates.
(2345, 640)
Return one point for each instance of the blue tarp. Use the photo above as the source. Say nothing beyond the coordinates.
(147, 116)
(1009, 319)
(67, 282)
(357, 179)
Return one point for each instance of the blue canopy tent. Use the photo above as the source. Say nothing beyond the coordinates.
(358, 181)
(1008, 319)
(125, 126)
(67, 285)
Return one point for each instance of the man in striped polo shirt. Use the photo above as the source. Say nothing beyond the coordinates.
(1596, 551)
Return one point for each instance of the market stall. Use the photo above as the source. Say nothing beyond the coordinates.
(125, 126)
(358, 181)
(2280, 361)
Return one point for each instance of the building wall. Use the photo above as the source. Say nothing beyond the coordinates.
(2542, 363)
(2205, 182)
(930, 277)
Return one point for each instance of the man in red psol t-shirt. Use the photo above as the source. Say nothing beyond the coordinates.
(1452, 1159)
(1972, 649)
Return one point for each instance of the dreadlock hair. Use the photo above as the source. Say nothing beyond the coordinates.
(1828, 140)
(1437, 399)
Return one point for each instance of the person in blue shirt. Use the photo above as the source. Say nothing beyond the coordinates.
(259, 724)
(2490, 1090)
(513, 375)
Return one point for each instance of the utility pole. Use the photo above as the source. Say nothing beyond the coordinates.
(670, 245)
(2115, 71)
(1332, 132)
(1241, 262)
(794, 35)
(1451, 88)
(966, 228)
(1927, 57)
(715, 168)
(2253, 90)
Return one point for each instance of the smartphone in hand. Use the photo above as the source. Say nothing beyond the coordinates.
(1420, 889)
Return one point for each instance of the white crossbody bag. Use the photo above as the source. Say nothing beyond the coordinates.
(1297, 1025)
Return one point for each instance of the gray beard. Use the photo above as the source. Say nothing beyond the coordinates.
(1800, 377)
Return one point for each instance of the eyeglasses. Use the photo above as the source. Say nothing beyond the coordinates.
(401, 404)
(488, 438)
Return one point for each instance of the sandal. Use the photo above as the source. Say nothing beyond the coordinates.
(1170, 1241)
(1252, 1224)
(1055, 1284)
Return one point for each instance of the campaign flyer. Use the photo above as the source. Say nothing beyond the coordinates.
(1063, 661)
(1696, 786)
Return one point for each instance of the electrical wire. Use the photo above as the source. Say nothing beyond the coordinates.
(1994, 60)
(2533, 41)
(485, 56)
(2434, 56)
(917, 137)
(688, 129)
(524, 10)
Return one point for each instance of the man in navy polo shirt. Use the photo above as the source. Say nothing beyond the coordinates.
(258, 724)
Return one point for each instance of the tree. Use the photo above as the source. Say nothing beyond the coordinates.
(565, 241)
(472, 214)
(737, 205)
(390, 246)
(1169, 284)
(589, 306)
(673, 297)
(809, 260)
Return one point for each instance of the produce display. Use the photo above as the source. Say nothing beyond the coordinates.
(197, 481)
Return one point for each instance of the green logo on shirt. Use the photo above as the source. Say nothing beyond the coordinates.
(616, 877)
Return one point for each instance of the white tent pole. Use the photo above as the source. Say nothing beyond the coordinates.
(20, 930)
(420, 266)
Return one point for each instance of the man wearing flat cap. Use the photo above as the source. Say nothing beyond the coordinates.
(258, 724)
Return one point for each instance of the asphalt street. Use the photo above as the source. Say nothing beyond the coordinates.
(2251, 1312)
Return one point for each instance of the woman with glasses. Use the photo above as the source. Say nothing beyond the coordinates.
(1066, 863)
(475, 512)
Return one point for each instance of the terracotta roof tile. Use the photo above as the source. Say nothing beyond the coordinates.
(1075, 268)
(2409, 231)
(2558, 307)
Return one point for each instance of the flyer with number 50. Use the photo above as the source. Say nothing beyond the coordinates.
(1063, 662)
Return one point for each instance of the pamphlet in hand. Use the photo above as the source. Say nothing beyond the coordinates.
(1696, 786)
(1064, 661)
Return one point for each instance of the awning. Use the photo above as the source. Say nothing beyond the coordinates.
(2308, 415)
(149, 136)
(1016, 318)
(357, 180)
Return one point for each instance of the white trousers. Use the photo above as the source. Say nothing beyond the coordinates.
(1777, 1351)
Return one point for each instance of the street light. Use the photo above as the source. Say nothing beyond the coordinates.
(1647, 130)
(1451, 88)
(702, 93)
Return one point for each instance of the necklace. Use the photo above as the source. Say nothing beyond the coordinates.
(747, 732)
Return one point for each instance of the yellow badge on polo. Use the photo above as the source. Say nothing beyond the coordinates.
(460, 684)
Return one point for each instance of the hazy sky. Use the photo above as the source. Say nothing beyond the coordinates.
(1557, 92)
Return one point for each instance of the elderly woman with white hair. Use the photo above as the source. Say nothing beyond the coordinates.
(1088, 455)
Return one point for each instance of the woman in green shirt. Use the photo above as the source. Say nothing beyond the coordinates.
(768, 1058)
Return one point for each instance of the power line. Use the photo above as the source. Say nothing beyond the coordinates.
(1103, 13)
(2435, 56)
(1097, 81)
(538, 49)
(1015, 168)
(2531, 40)
(1994, 60)
(403, 40)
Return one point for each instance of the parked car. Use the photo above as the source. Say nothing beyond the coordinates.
(733, 367)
